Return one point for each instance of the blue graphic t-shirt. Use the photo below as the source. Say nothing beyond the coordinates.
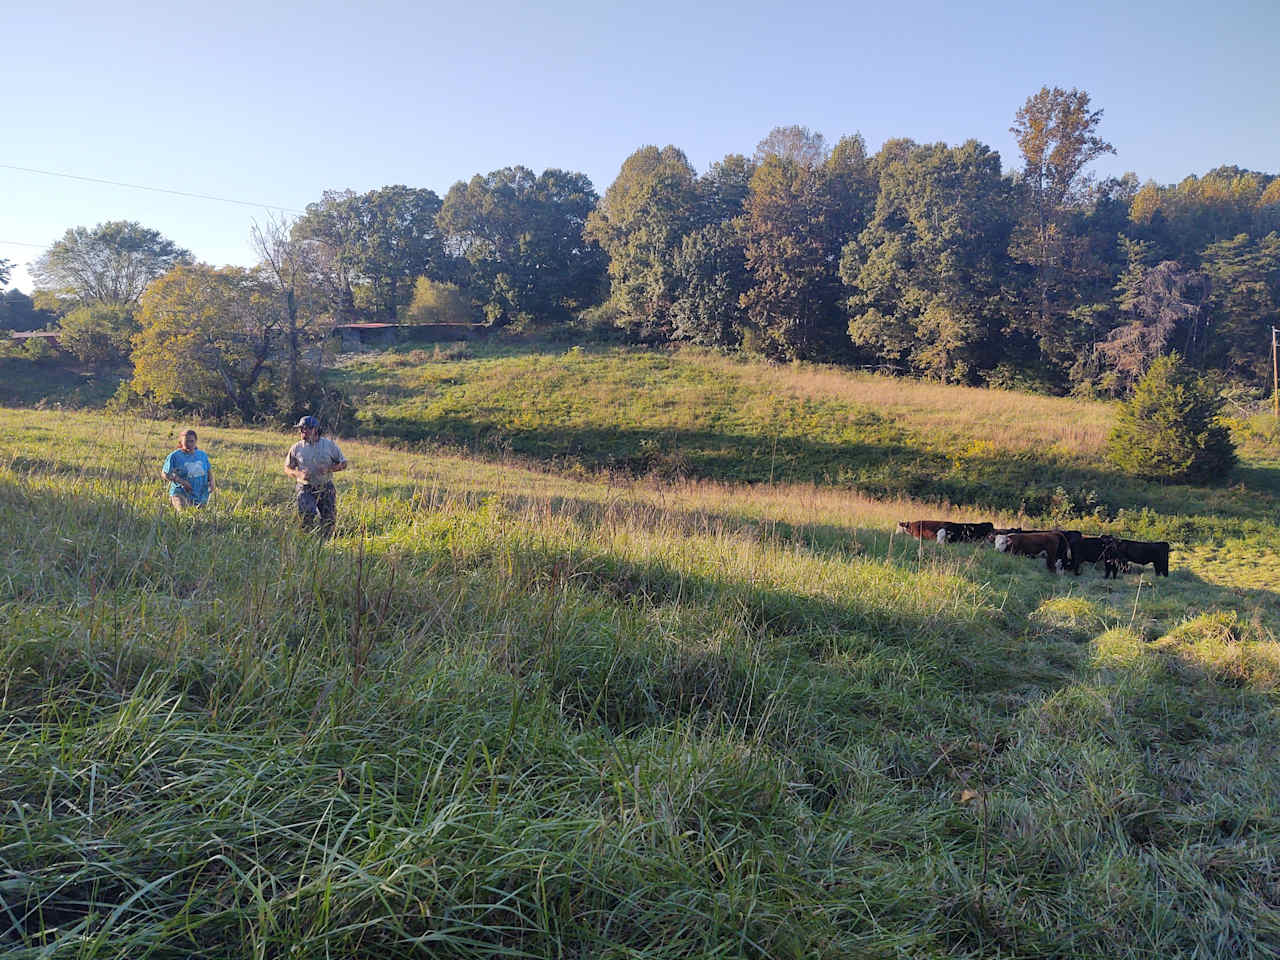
(194, 468)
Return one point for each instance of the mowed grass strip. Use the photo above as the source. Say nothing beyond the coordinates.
(511, 713)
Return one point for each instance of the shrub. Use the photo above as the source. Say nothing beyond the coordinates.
(38, 350)
(1170, 428)
(435, 302)
(98, 334)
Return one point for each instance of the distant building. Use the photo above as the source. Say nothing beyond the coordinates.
(48, 336)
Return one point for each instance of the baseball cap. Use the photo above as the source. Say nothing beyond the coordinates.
(308, 421)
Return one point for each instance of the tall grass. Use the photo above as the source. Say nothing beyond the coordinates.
(506, 713)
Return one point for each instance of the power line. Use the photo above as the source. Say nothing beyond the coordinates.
(19, 243)
(139, 186)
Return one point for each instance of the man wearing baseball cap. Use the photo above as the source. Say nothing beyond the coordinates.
(311, 461)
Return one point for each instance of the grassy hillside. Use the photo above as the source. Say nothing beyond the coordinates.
(694, 414)
(513, 713)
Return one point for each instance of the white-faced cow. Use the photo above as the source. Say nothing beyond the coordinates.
(1051, 545)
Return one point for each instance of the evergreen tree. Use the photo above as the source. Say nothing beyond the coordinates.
(1169, 429)
(1244, 304)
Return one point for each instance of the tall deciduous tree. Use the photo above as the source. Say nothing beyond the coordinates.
(6, 269)
(110, 264)
(287, 266)
(709, 265)
(804, 206)
(723, 190)
(523, 238)
(385, 239)
(1057, 135)
(1182, 219)
(330, 230)
(207, 339)
(711, 275)
(639, 223)
(929, 273)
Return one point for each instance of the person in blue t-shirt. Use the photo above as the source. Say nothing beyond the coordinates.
(189, 474)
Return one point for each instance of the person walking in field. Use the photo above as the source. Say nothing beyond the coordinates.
(189, 473)
(311, 462)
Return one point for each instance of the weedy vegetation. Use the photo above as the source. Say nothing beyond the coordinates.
(537, 699)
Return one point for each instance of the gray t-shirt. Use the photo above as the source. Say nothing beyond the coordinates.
(308, 457)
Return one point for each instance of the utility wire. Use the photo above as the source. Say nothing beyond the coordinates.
(139, 186)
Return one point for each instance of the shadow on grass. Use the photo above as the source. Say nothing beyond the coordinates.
(27, 384)
(888, 463)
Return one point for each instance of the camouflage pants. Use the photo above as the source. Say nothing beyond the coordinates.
(317, 503)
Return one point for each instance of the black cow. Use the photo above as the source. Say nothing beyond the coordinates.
(1090, 550)
(963, 532)
(1143, 552)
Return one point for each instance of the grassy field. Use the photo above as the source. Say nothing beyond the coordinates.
(531, 702)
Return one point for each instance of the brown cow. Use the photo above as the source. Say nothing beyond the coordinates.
(921, 529)
(1074, 538)
(1051, 545)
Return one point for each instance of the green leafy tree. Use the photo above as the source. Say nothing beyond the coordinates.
(100, 334)
(805, 204)
(1182, 219)
(38, 350)
(929, 273)
(6, 270)
(522, 236)
(639, 223)
(113, 263)
(712, 277)
(1170, 429)
(384, 240)
(1056, 132)
(330, 232)
(710, 264)
(19, 312)
(208, 339)
(723, 190)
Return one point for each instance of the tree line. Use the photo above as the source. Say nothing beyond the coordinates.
(924, 259)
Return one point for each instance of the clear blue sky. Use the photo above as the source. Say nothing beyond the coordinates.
(274, 102)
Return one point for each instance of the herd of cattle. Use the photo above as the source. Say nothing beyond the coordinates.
(1062, 549)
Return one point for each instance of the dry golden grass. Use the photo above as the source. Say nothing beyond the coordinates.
(1004, 418)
